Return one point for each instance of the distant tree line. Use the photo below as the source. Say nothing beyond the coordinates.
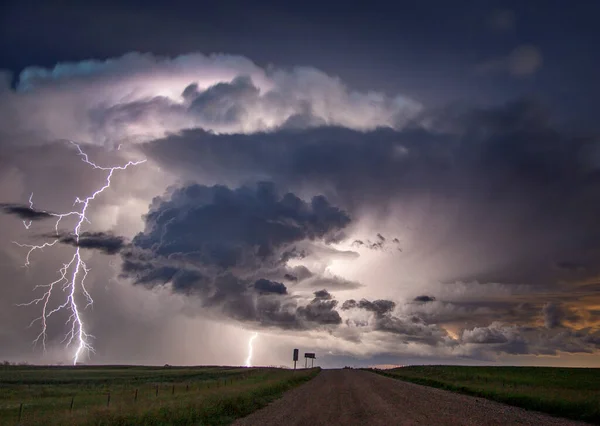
(8, 363)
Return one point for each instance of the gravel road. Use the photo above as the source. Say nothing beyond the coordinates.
(354, 397)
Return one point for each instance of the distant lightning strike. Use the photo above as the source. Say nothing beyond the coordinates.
(72, 274)
(250, 342)
(25, 223)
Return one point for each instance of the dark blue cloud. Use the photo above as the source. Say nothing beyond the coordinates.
(266, 286)
(209, 242)
(225, 228)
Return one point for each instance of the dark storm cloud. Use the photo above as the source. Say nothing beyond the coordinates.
(274, 309)
(265, 286)
(323, 295)
(297, 273)
(478, 312)
(334, 155)
(242, 300)
(105, 242)
(411, 330)
(555, 315)
(406, 328)
(150, 272)
(24, 212)
(379, 307)
(321, 309)
(349, 304)
(270, 308)
(518, 336)
(424, 299)
(485, 335)
(227, 228)
(500, 167)
(210, 242)
(514, 340)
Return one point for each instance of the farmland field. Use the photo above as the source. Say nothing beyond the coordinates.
(565, 392)
(123, 395)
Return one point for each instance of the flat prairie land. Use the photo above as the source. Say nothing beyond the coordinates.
(132, 395)
(566, 392)
(360, 398)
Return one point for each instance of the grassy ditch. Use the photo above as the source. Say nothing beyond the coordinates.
(565, 392)
(139, 395)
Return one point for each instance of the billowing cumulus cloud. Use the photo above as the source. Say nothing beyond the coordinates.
(218, 244)
(495, 333)
(379, 307)
(285, 202)
(241, 228)
(321, 309)
(138, 97)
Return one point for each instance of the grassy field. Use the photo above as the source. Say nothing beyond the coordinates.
(564, 392)
(120, 395)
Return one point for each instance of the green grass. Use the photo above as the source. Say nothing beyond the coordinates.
(565, 392)
(186, 395)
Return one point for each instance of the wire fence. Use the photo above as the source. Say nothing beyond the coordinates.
(118, 397)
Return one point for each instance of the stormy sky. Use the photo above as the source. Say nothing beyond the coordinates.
(379, 184)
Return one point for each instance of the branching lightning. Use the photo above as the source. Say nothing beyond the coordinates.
(250, 342)
(72, 274)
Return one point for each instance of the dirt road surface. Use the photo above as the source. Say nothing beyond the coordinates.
(354, 397)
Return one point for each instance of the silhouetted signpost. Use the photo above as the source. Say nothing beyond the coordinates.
(312, 357)
(295, 357)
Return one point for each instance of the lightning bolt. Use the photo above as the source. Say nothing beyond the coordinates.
(25, 223)
(249, 359)
(72, 274)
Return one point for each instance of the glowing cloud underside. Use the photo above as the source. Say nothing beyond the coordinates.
(250, 342)
(72, 274)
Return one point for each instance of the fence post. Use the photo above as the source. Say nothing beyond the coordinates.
(72, 402)
(156, 390)
(20, 411)
(173, 390)
(187, 388)
(108, 400)
(135, 397)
